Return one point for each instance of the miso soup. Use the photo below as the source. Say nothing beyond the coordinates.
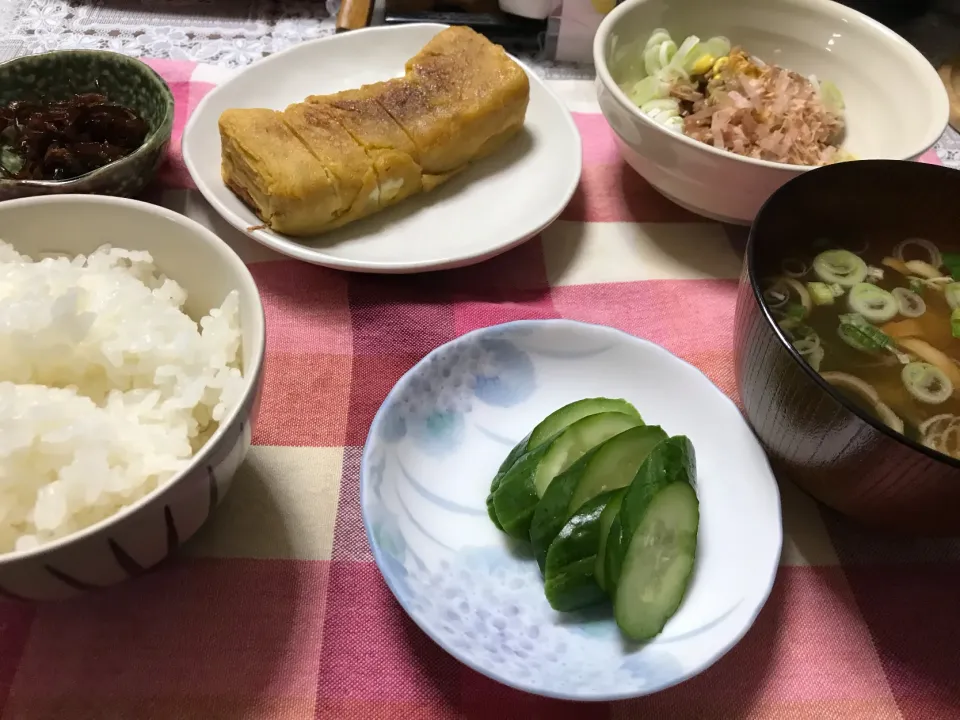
(882, 325)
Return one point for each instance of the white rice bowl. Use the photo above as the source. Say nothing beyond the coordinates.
(107, 387)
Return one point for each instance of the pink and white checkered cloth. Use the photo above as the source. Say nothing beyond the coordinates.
(276, 610)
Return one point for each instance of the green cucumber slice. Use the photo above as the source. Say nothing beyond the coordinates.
(607, 518)
(656, 547)
(569, 414)
(612, 556)
(569, 581)
(551, 513)
(609, 466)
(671, 461)
(659, 561)
(617, 462)
(574, 442)
(516, 497)
(552, 424)
(519, 449)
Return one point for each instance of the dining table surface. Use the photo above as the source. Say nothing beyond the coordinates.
(276, 608)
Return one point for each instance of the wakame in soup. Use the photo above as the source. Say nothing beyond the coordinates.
(883, 328)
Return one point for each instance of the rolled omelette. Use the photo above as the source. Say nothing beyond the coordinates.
(332, 159)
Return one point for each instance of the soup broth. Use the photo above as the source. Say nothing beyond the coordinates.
(882, 325)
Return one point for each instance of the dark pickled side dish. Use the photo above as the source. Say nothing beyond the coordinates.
(65, 139)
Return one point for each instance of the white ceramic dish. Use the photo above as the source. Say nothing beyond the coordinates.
(494, 206)
(152, 528)
(897, 107)
(436, 443)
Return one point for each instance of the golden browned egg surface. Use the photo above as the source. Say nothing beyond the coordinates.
(332, 159)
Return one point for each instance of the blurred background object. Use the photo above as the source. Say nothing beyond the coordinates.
(950, 74)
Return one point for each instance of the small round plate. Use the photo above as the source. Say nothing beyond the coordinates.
(494, 205)
(436, 443)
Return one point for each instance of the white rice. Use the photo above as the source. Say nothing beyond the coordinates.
(107, 387)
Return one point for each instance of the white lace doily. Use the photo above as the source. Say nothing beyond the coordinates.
(223, 32)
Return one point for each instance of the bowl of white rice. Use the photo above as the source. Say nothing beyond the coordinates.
(131, 350)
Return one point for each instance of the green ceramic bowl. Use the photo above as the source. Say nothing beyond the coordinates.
(124, 80)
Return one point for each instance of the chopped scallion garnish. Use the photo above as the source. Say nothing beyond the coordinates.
(821, 293)
(955, 323)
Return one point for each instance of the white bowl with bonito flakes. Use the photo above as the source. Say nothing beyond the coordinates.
(717, 104)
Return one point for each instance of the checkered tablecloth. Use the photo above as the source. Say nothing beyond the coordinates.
(276, 609)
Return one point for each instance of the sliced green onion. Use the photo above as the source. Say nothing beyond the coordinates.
(780, 290)
(933, 252)
(937, 423)
(866, 392)
(917, 286)
(952, 295)
(717, 46)
(955, 323)
(831, 97)
(682, 56)
(910, 304)
(874, 303)
(651, 61)
(776, 297)
(674, 122)
(805, 341)
(841, 267)
(658, 36)
(661, 110)
(795, 312)
(650, 88)
(874, 274)
(667, 50)
(837, 290)
(859, 334)
(794, 268)
(926, 382)
(814, 358)
(820, 293)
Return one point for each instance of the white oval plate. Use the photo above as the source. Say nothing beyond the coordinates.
(495, 205)
(436, 443)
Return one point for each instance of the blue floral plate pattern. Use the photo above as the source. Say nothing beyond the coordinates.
(436, 443)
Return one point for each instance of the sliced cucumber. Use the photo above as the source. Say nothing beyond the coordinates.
(519, 449)
(552, 424)
(611, 555)
(616, 463)
(670, 461)
(576, 441)
(516, 497)
(567, 415)
(568, 574)
(650, 558)
(658, 562)
(607, 518)
(552, 511)
(609, 466)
